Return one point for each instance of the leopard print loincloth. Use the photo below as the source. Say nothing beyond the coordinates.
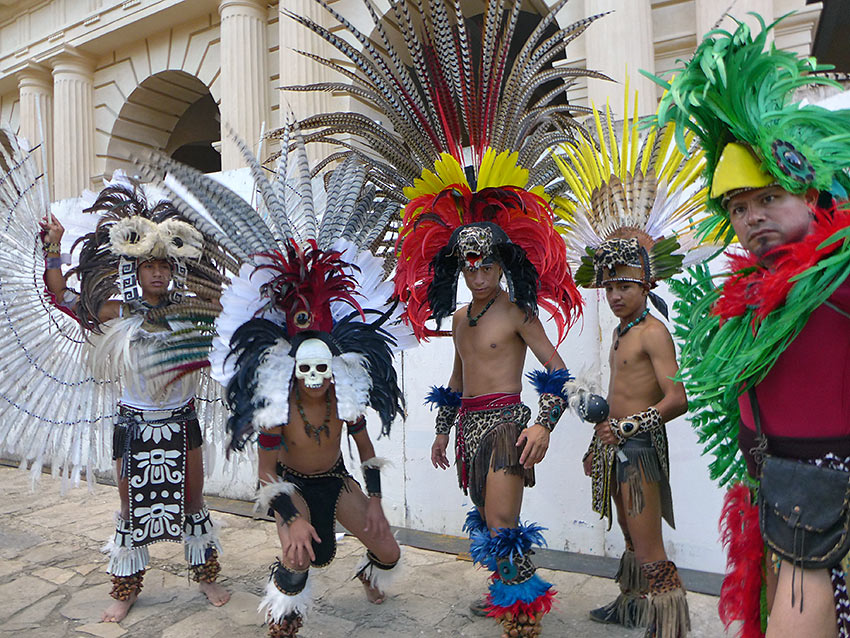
(487, 439)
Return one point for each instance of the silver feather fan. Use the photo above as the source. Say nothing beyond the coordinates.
(52, 411)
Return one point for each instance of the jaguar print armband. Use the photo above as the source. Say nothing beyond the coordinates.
(448, 405)
(647, 421)
(553, 400)
(551, 407)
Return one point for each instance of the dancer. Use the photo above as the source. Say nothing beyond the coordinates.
(772, 341)
(165, 272)
(631, 195)
(304, 345)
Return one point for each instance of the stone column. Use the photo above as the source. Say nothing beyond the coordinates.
(618, 43)
(36, 93)
(297, 69)
(73, 124)
(244, 76)
(709, 13)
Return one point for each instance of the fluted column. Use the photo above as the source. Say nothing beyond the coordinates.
(35, 87)
(296, 69)
(710, 12)
(621, 42)
(244, 75)
(73, 124)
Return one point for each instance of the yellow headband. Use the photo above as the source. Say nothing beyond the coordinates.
(738, 169)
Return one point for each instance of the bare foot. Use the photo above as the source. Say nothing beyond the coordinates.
(117, 611)
(214, 592)
(373, 594)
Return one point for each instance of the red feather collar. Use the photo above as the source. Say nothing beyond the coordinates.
(755, 287)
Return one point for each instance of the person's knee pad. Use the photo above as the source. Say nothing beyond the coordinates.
(287, 592)
(288, 581)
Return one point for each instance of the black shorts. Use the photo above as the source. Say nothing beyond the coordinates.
(321, 492)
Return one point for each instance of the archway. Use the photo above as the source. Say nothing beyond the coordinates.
(172, 112)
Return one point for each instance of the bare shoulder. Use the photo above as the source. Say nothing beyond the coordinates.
(655, 335)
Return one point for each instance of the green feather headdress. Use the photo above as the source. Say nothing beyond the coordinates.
(736, 89)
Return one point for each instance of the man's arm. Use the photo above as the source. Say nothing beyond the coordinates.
(535, 338)
(658, 345)
(534, 441)
(295, 533)
(441, 440)
(376, 522)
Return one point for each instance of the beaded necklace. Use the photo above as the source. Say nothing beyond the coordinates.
(473, 321)
(629, 326)
(315, 431)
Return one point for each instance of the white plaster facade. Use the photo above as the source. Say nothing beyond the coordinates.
(113, 78)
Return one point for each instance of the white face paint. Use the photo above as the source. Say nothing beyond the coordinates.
(313, 363)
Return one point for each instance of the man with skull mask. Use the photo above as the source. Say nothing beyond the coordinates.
(301, 378)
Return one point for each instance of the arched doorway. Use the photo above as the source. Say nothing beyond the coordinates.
(172, 112)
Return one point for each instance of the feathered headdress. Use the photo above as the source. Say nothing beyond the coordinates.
(632, 194)
(308, 273)
(130, 231)
(470, 124)
(738, 98)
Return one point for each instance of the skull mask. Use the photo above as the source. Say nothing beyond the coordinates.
(313, 363)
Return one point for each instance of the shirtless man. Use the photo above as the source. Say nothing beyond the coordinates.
(628, 458)
(129, 559)
(304, 482)
(495, 451)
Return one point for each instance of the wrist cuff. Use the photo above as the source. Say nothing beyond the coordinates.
(276, 497)
(371, 470)
(647, 421)
(551, 407)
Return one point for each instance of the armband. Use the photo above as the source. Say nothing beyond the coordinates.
(53, 263)
(448, 405)
(52, 247)
(268, 441)
(647, 421)
(371, 470)
(357, 426)
(277, 497)
(553, 400)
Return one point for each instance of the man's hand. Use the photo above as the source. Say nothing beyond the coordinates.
(438, 451)
(587, 463)
(605, 433)
(535, 441)
(296, 541)
(376, 522)
(53, 230)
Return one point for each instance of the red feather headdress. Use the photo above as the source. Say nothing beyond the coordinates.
(428, 265)
(306, 282)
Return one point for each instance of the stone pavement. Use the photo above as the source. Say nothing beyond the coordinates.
(53, 584)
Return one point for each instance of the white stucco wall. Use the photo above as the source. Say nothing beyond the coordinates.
(418, 496)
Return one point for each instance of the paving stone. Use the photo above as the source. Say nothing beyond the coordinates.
(197, 626)
(14, 543)
(54, 575)
(87, 604)
(52, 630)
(47, 553)
(34, 615)
(21, 593)
(241, 609)
(103, 629)
(162, 594)
(11, 567)
(86, 568)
